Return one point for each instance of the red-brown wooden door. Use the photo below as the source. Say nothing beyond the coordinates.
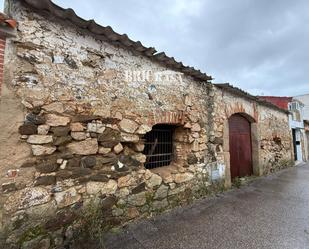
(240, 146)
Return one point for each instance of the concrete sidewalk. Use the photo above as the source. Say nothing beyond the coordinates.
(271, 212)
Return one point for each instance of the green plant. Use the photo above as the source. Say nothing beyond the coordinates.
(221, 188)
(115, 230)
(203, 187)
(31, 234)
(237, 182)
(92, 226)
(284, 163)
(122, 206)
(149, 199)
(174, 201)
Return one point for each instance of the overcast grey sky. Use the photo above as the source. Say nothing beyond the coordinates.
(258, 45)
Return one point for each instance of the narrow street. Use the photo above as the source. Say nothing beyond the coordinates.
(271, 212)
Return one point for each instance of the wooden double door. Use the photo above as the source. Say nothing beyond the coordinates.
(240, 146)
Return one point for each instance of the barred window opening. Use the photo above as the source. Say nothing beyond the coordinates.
(159, 146)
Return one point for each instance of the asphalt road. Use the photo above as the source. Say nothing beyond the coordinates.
(271, 212)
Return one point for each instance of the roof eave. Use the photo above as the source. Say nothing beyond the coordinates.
(242, 93)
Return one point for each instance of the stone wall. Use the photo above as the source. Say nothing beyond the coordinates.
(271, 136)
(276, 140)
(82, 127)
(75, 116)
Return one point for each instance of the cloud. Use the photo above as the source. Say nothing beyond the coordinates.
(260, 46)
(181, 8)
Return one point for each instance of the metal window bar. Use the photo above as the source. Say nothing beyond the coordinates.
(159, 146)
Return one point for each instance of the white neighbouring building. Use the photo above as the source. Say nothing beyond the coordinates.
(305, 100)
(296, 121)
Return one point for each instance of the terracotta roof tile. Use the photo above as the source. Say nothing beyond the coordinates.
(9, 22)
(242, 93)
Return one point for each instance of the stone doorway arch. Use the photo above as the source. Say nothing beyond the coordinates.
(241, 129)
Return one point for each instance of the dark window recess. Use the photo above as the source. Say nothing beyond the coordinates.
(159, 146)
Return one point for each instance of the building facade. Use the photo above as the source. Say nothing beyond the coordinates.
(88, 114)
(305, 100)
(296, 123)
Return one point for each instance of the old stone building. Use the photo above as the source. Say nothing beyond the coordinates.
(88, 114)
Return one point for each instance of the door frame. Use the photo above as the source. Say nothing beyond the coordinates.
(297, 143)
(238, 120)
(294, 143)
(255, 144)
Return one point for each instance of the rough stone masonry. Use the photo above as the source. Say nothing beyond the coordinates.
(72, 129)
